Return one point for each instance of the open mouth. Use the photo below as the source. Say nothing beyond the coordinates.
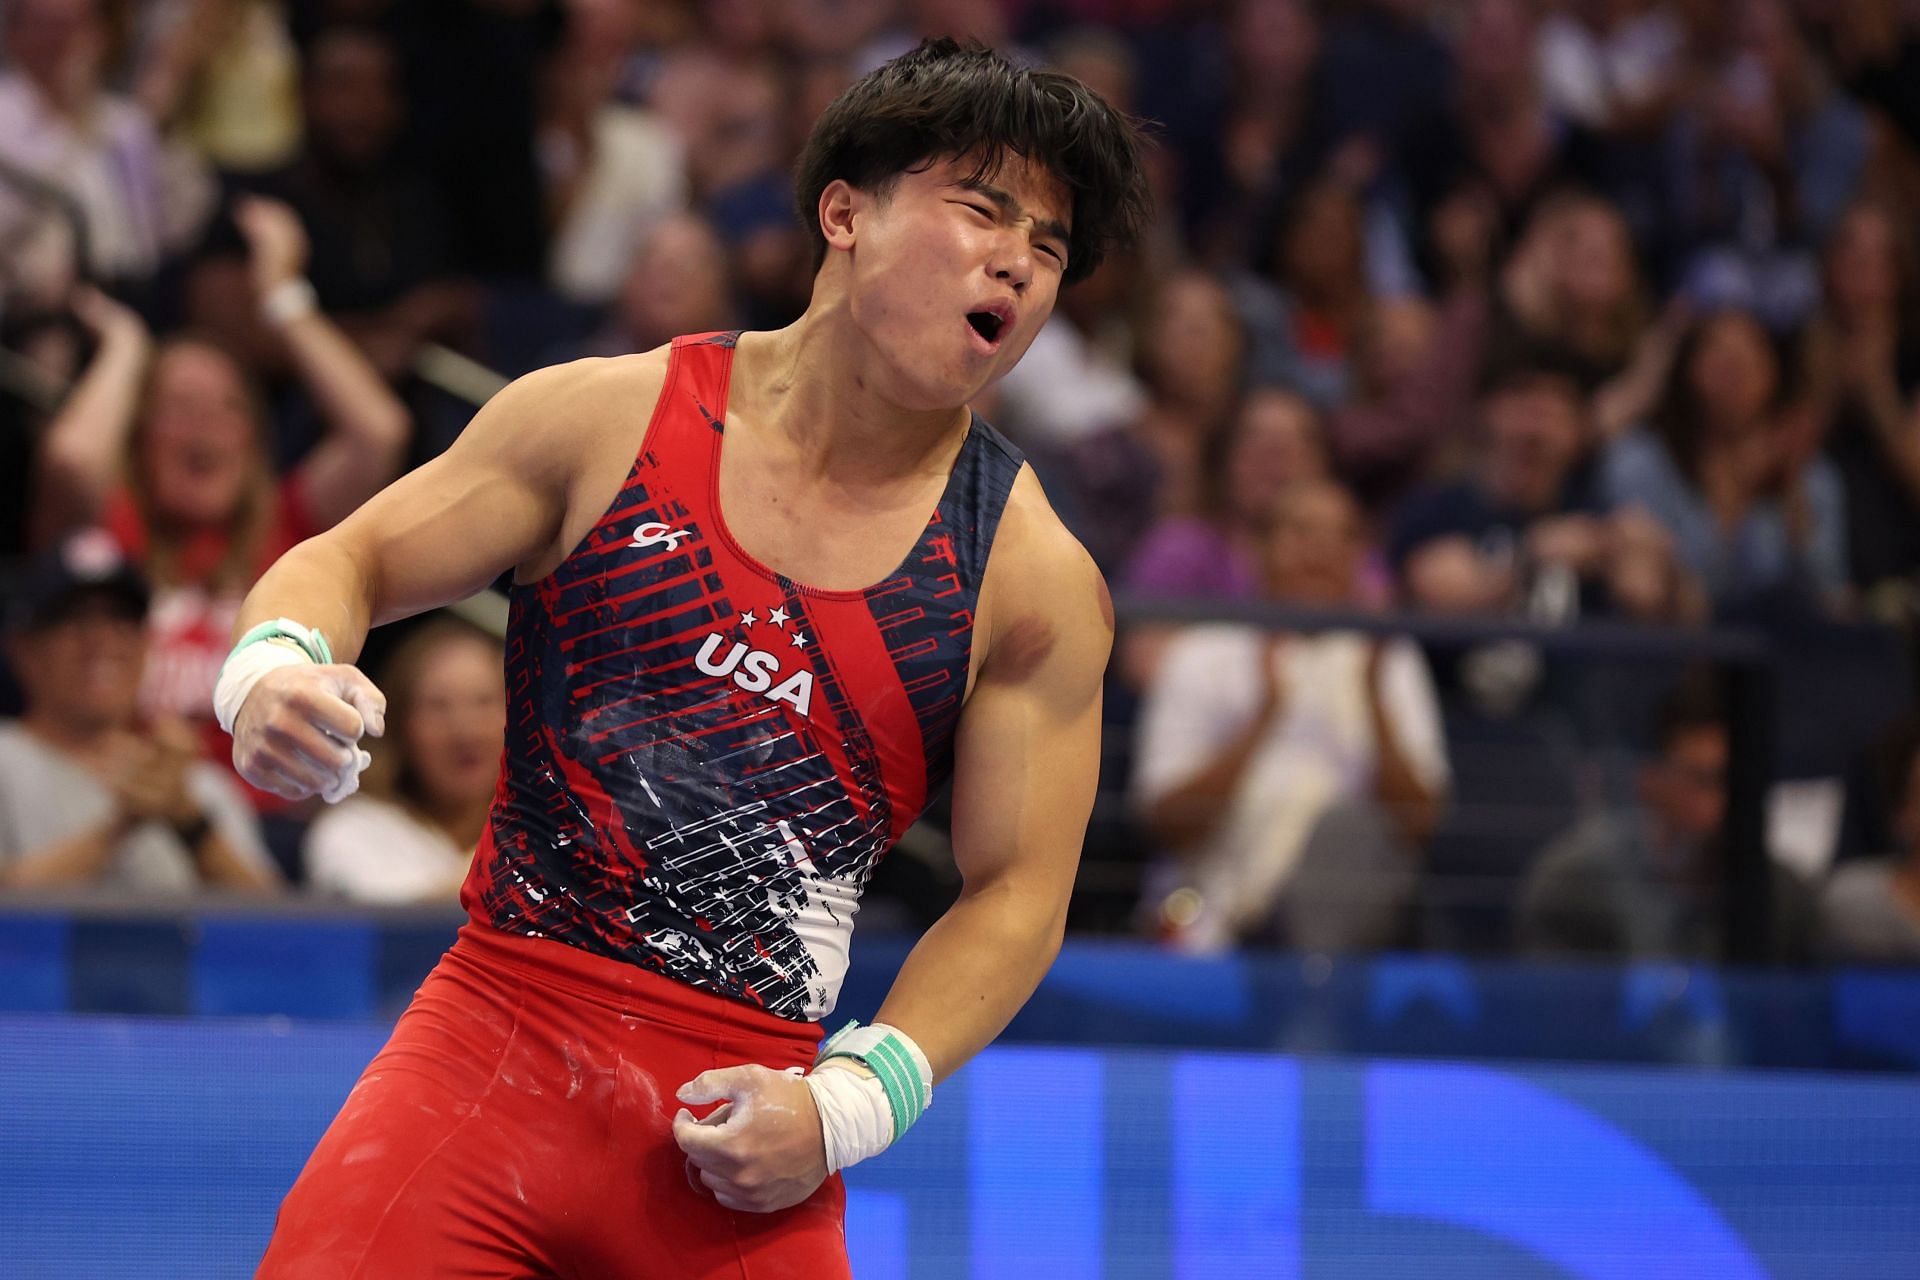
(987, 324)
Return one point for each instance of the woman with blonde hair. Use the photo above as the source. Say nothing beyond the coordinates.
(410, 832)
(169, 449)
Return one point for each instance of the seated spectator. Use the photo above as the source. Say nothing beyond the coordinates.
(1649, 883)
(1276, 441)
(408, 835)
(1863, 370)
(1729, 470)
(1113, 485)
(170, 452)
(140, 200)
(1078, 377)
(678, 284)
(1573, 287)
(1304, 335)
(91, 792)
(612, 170)
(1776, 152)
(224, 76)
(1523, 533)
(1412, 397)
(1293, 777)
(1870, 908)
(379, 231)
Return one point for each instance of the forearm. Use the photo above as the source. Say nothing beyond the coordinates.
(321, 585)
(80, 455)
(1414, 806)
(221, 865)
(74, 860)
(1189, 813)
(972, 971)
(350, 392)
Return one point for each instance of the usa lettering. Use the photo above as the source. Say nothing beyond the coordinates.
(755, 671)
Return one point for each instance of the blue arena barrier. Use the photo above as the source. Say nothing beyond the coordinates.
(138, 1147)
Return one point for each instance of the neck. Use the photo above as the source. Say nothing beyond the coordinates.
(823, 394)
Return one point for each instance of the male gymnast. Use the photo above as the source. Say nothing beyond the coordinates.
(771, 591)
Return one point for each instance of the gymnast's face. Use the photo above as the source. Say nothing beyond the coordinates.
(949, 279)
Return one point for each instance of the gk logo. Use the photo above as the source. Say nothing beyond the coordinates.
(655, 534)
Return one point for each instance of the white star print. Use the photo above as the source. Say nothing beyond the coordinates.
(799, 639)
(778, 617)
(747, 619)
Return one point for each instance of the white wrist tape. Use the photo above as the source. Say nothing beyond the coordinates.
(861, 1115)
(854, 1115)
(243, 670)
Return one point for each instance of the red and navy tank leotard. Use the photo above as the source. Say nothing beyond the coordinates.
(705, 760)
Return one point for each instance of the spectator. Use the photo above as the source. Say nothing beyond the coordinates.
(678, 284)
(140, 201)
(1863, 364)
(378, 230)
(91, 792)
(1729, 470)
(1304, 336)
(1572, 287)
(1610, 66)
(410, 832)
(1870, 908)
(1113, 485)
(1769, 159)
(611, 169)
(1383, 69)
(1270, 139)
(1078, 378)
(1414, 368)
(1276, 442)
(1523, 532)
(170, 452)
(1294, 777)
(1495, 137)
(1647, 883)
(224, 75)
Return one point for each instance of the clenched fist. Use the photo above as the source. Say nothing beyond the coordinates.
(762, 1149)
(298, 732)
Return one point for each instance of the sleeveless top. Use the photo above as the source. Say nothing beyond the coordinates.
(706, 760)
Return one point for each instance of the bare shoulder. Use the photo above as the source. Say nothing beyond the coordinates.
(559, 414)
(1047, 610)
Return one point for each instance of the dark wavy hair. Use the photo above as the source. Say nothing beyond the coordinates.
(1679, 419)
(945, 100)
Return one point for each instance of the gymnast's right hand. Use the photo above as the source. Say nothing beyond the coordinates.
(297, 733)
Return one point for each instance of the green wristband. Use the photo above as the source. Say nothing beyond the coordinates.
(310, 642)
(896, 1063)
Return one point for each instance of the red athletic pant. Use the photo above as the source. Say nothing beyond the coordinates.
(518, 1124)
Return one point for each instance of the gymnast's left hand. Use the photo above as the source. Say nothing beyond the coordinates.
(763, 1148)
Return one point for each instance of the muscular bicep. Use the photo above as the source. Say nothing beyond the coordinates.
(498, 499)
(447, 530)
(1028, 752)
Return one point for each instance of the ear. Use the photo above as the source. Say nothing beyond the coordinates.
(840, 205)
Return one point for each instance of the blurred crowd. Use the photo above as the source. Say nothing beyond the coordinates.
(1563, 311)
